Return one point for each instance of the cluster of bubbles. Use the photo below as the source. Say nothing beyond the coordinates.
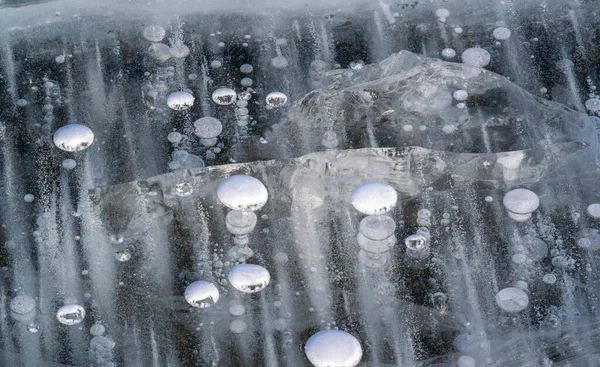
(160, 51)
(376, 231)
(520, 203)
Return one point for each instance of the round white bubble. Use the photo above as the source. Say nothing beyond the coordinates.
(276, 99)
(501, 33)
(215, 64)
(237, 309)
(28, 198)
(448, 53)
(246, 68)
(521, 201)
(241, 192)
(22, 308)
(246, 82)
(180, 51)
(73, 137)
(201, 294)
(279, 62)
(476, 57)
(377, 227)
(208, 127)
(224, 96)
(69, 164)
(180, 101)
(549, 278)
(70, 314)
(174, 137)
(238, 326)
(442, 13)
(593, 104)
(460, 95)
(160, 52)
(333, 348)
(512, 299)
(594, 210)
(374, 198)
(97, 330)
(154, 33)
(249, 278)
(466, 361)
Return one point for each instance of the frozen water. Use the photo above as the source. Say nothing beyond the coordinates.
(333, 348)
(373, 93)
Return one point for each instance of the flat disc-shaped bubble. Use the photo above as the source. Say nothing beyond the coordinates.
(377, 227)
(249, 278)
(460, 95)
(333, 348)
(180, 101)
(241, 192)
(373, 260)
(476, 57)
(240, 222)
(373, 198)
(593, 104)
(594, 210)
(160, 52)
(180, 51)
(521, 201)
(512, 299)
(376, 246)
(519, 217)
(73, 137)
(208, 127)
(71, 314)
(535, 248)
(448, 53)
(69, 164)
(246, 68)
(224, 96)
(154, 33)
(279, 62)
(22, 308)
(501, 33)
(276, 99)
(201, 294)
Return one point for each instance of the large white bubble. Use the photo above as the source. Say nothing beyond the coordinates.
(160, 52)
(241, 192)
(224, 96)
(154, 33)
(373, 198)
(73, 137)
(208, 127)
(521, 201)
(180, 101)
(512, 299)
(249, 278)
(201, 294)
(333, 348)
(477, 57)
(70, 314)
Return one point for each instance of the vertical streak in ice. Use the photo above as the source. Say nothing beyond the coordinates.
(155, 356)
(270, 354)
(9, 67)
(568, 69)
